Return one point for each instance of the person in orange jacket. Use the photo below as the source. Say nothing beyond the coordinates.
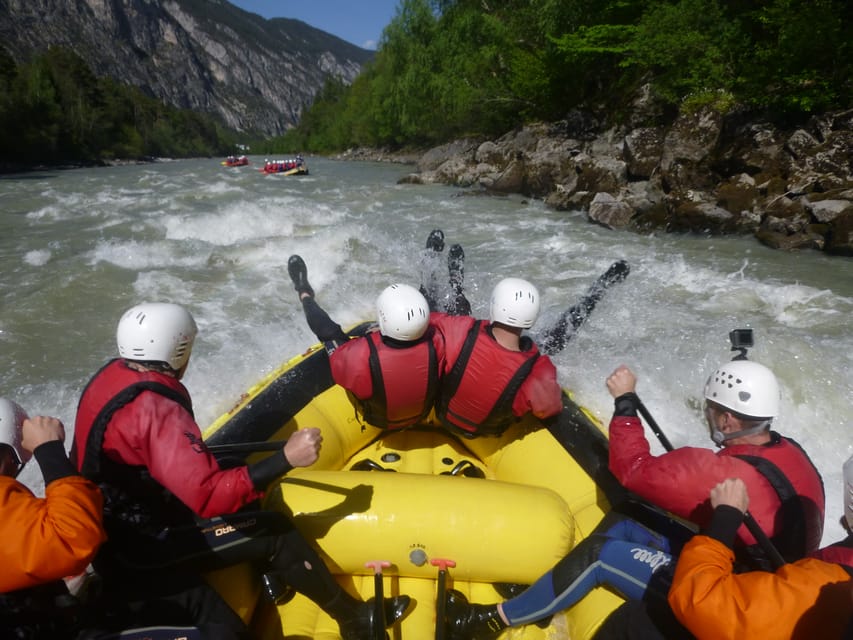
(44, 539)
(806, 599)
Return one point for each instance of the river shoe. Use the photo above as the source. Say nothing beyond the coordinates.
(299, 275)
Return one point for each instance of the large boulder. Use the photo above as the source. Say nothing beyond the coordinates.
(610, 212)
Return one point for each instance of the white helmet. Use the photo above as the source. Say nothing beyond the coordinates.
(403, 312)
(515, 302)
(156, 332)
(746, 388)
(12, 416)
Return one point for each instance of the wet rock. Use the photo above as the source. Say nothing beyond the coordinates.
(610, 212)
(700, 172)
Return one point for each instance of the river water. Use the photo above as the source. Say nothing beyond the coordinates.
(78, 247)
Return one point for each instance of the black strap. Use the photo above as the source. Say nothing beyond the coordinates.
(375, 409)
(791, 537)
(91, 467)
(500, 417)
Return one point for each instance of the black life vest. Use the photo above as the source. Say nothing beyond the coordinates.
(792, 538)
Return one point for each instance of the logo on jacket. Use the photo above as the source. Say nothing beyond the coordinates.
(196, 442)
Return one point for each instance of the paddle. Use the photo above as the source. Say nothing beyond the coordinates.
(764, 542)
(554, 339)
(246, 447)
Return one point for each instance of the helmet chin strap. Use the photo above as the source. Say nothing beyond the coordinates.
(721, 438)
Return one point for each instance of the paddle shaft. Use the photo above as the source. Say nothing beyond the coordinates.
(246, 447)
(753, 527)
(441, 594)
(378, 627)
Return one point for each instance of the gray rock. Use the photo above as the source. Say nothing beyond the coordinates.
(610, 212)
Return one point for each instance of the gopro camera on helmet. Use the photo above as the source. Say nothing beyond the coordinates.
(741, 340)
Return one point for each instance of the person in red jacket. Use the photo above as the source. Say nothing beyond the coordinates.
(488, 375)
(171, 512)
(742, 398)
(392, 374)
(493, 375)
(807, 599)
(44, 539)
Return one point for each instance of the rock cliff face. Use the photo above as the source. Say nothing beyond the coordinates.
(206, 55)
(702, 172)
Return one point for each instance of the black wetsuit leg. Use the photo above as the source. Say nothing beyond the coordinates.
(168, 569)
(326, 329)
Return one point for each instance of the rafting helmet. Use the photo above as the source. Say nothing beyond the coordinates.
(403, 312)
(12, 417)
(747, 389)
(157, 332)
(515, 302)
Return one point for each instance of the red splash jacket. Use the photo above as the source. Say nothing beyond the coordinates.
(681, 480)
(143, 420)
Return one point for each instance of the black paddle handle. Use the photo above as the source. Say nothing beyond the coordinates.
(757, 532)
(246, 447)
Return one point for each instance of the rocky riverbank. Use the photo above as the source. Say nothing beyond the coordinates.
(703, 173)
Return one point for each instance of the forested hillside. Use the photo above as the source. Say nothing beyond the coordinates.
(451, 68)
(54, 111)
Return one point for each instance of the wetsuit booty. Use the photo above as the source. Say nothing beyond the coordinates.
(617, 272)
(360, 623)
(435, 241)
(275, 591)
(299, 275)
(471, 621)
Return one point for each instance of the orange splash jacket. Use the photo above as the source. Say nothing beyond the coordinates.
(48, 539)
(803, 600)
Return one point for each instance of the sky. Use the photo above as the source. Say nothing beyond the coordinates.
(357, 21)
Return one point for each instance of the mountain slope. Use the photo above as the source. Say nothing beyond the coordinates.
(206, 55)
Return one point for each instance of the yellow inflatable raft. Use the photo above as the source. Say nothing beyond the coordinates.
(499, 510)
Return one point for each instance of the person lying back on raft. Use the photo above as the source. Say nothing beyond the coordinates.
(422, 360)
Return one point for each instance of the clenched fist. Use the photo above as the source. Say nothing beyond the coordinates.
(303, 447)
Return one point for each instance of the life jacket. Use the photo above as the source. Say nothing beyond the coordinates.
(404, 381)
(840, 553)
(801, 510)
(468, 406)
(134, 503)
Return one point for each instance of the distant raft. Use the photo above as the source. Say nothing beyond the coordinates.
(296, 167)
(235, 161)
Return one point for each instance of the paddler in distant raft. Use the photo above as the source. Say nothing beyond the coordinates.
(172, 513)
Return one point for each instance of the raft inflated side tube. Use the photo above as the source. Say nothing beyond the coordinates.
(494, 531)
